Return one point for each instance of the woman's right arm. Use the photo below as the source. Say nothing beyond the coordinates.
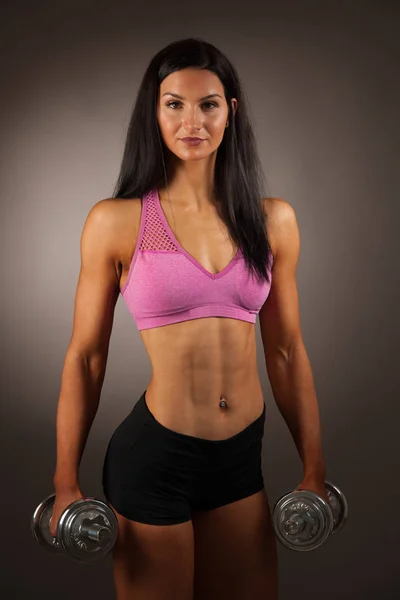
(86, 357)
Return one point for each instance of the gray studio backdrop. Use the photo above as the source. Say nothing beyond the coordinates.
(321, 81)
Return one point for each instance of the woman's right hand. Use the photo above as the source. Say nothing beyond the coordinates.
(64, 497)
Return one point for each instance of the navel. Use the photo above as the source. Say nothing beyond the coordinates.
(222, 402)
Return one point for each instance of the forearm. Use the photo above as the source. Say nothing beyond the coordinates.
(81, 384)
(292, 384)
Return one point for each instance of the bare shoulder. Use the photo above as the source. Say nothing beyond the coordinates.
(114, 211)
(282, 225)
(105, 213)
(118, 221)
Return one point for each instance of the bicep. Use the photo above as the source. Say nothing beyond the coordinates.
(97, 289)
(279, 316)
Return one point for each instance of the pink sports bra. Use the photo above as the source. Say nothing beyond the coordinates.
(167, 285)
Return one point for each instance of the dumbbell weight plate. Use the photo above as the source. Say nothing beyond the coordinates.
(40, 525)
(87, 528)
(302, 520)
(94, 517)
(338, 504)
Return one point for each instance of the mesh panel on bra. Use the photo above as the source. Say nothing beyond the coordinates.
(155, 237)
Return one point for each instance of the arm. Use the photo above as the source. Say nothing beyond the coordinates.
(286, 359)
(86, 356)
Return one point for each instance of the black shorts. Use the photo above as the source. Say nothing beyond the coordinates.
(154, 475)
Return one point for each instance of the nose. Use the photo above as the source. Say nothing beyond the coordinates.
(192, 122)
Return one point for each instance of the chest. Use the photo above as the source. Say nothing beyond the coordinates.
(204, 237)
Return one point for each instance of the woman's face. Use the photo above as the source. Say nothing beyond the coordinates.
(192, 115)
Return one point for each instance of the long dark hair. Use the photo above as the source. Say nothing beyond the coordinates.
(238, 176)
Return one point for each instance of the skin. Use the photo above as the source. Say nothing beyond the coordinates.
(229, 552)
(187, 382)
(191, 169)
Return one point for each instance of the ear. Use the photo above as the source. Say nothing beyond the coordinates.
(234, 106)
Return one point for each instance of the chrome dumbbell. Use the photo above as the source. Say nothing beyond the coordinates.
(87, 529)
(303, 520)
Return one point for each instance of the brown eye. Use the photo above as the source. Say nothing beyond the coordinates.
(173, 102)
(212, 104)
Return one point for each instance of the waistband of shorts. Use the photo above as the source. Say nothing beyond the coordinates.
(254, 429)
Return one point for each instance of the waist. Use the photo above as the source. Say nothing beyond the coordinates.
(197, 411)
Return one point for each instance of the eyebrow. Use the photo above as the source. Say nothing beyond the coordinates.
(182, 98)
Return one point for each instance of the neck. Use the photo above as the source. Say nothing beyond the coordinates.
(191, 185)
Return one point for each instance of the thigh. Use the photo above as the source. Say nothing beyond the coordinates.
(153, 562)
(235, 551)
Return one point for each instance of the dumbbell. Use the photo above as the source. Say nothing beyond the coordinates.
(303, 520)
(87, 529)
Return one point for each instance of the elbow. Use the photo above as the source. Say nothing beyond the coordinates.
(93, 361)
(284, 352)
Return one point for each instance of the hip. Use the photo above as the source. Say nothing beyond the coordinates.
(142, 443)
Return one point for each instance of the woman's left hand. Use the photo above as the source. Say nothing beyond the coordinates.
(314, 484)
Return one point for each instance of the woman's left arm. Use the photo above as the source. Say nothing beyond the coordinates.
(286, 359)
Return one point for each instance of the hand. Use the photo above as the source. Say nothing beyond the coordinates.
(63, 499)
(314, 484)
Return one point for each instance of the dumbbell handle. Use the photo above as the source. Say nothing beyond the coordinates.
(96, 532)
(294, 525)
(297, 522)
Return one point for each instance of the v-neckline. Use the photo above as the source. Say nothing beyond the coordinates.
(182, 249)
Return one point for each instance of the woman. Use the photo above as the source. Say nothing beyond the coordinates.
(196, 253)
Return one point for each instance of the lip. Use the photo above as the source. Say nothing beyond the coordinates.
(192, 141)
